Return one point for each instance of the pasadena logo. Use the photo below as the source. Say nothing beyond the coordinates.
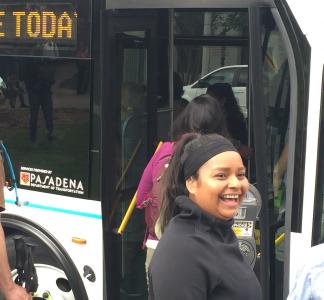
(48, 182)
(25, 178)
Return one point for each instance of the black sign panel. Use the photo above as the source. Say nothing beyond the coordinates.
(44, 28)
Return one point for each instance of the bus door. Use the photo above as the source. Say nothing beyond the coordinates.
(274, 102)
(129, 138)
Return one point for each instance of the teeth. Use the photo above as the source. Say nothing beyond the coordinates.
(230, 196)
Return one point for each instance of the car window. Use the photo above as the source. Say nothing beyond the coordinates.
(242, 78)
(221, 76)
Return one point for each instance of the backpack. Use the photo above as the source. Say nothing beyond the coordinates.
(152, 203)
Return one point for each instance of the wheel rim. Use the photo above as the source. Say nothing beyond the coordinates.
(52, 283)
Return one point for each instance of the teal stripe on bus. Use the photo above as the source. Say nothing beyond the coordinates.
(60, 210)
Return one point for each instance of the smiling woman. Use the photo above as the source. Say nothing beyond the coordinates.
(220, 186)
(204, 186)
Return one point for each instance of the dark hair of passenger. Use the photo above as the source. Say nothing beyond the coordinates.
(202, 115)
(235, 121)
(173, 180)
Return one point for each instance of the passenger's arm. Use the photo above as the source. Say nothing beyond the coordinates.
(5, 276)
(302, 287)
(8, 288)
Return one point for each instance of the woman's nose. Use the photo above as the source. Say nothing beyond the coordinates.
(234, 182)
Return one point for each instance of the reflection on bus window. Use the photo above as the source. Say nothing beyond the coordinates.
(45, 123)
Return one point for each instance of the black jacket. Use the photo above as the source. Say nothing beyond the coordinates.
(198, 258)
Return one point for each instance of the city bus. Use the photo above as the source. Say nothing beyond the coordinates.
(87, 92)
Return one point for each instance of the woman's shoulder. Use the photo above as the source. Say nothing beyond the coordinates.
(171, 245)
(181, 233)
(166, 147)
(165, 150)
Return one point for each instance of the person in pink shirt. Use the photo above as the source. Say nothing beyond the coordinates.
(202, 115)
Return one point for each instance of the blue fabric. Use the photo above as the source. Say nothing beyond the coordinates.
(310, 281)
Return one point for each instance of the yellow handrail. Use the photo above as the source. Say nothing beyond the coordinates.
(131, 206)
(279, 239)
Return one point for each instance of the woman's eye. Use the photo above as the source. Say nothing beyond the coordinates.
(220, 176)
(241, 175)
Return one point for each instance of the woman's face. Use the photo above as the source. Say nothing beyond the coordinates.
(220, 186)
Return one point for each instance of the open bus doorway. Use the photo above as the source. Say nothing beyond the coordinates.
(152, 53)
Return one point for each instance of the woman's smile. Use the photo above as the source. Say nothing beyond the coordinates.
(231, 199)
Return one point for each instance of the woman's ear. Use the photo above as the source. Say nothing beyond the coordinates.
(191, 185)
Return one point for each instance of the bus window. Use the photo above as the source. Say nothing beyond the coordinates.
(318, 224)
(45, 123)
(216, 40)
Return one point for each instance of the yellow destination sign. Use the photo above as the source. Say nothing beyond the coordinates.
(36, 24)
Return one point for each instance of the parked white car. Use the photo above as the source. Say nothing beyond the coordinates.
(236, 76)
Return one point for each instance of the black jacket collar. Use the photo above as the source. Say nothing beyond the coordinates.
(190, 210)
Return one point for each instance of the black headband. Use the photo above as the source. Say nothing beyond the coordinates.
(204, 152)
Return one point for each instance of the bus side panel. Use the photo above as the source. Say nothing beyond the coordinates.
(66, 218)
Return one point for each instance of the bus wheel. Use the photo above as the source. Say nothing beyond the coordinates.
(52, 283)
(57, 272)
